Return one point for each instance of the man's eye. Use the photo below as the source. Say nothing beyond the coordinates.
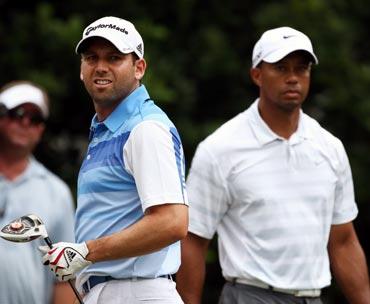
(114, 58)
(280, 68)
(89, 58)
(304, 68)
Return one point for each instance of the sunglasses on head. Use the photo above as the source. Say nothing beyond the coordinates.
(20, 113)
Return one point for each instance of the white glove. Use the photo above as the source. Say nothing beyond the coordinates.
(65, 259)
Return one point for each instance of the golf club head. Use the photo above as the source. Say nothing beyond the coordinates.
(28, 228)
(24, 229)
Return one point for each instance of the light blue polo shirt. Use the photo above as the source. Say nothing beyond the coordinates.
(24, 279)
(122, 175)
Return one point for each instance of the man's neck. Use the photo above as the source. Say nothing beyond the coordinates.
(283, 123)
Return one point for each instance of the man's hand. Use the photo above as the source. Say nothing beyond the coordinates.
(65, 259)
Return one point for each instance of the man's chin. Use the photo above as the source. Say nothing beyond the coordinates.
(24, 146)
(291, 105)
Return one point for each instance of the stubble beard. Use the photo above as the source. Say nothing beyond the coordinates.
(104, 99)
(290, 106)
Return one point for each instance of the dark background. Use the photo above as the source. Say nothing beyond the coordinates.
(198, 55)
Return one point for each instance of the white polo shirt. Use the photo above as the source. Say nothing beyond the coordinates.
(272, 201)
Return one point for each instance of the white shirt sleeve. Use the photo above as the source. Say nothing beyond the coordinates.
(208, 195)
(345, 208)
(154, 157)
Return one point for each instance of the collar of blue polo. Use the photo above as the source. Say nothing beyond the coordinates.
(125, 109)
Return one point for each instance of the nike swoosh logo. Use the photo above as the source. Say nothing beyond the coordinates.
(286, 37)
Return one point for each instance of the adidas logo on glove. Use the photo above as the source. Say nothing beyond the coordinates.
(70, 255)
(65, 259)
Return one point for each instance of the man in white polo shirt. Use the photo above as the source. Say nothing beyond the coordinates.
(277, 188)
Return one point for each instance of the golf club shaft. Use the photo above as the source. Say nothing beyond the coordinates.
(49, 243)
(76, 292)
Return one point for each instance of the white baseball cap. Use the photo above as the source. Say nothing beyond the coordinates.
(277, 43)
(21, 93)
(121, 33)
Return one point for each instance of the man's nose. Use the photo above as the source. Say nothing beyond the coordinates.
(292, 75)
(101, 65)
(25, 120)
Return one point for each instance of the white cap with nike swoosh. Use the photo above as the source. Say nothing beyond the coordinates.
(277, 43)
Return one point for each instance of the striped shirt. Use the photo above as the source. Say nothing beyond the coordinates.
(134, 161)
(272, 201)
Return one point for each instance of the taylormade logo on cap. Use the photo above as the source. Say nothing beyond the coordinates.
(121, 33)
(277, 43)
(111, 26)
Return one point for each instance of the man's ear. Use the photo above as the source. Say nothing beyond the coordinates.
(255, 74)
(140, 67)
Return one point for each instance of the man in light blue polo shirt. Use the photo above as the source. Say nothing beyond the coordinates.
(132, 204)
(27, 187)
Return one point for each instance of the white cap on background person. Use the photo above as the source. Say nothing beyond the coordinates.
(18, 93)
(121, 33)
(277, 43)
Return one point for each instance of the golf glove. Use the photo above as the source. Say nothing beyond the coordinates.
(65, 259)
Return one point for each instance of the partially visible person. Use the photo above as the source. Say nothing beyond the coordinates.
(131, 203)
(27, 187)
(277, 188)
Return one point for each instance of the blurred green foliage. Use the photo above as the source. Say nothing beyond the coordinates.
(198, 55)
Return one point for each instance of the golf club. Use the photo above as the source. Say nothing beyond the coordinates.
(28, 228)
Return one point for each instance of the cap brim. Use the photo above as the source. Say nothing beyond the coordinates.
(281, 53)
(119, 44)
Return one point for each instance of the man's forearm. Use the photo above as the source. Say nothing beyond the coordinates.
(190, 281)
(191, 275)
(165, 224)
(63, 294)
(348, 263)
(351, 272)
